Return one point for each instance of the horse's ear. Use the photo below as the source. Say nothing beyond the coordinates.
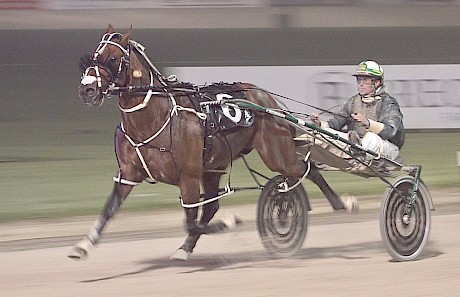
(124, 41)
(109, 29)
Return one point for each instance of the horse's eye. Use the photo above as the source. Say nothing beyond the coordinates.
(111, 62)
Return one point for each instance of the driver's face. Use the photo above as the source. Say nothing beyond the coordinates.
(366, 84)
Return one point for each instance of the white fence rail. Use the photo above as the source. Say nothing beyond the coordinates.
(429, 95)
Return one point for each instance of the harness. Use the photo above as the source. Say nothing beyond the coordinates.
(207, 102)
(138, 144)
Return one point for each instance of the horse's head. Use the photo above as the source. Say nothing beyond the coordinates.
(105, 68)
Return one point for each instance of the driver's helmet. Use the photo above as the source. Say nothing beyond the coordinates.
(369, 68)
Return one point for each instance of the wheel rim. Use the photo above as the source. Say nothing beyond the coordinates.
(282, 219)
(405, 236)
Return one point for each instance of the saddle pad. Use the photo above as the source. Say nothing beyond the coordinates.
(227, 116)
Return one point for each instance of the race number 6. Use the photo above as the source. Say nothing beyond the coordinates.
(230, 111)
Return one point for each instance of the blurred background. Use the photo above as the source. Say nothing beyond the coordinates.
(56, 155)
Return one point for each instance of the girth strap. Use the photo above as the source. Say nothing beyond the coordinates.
(137, 148)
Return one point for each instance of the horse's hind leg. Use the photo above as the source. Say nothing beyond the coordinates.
(297, 169)
(275, 145)
(349, 203)
(115, 199)
(278, 152)
(316, 177)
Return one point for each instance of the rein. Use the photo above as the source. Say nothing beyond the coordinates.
(144, 89)
(150, 89)
(166, 91)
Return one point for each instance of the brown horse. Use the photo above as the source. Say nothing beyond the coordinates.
(162, 137)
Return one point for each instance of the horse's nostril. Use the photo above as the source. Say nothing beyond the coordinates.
(90, 91)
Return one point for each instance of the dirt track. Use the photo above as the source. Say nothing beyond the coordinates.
(342, 256)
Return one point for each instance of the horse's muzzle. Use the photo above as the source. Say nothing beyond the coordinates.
(90, 94)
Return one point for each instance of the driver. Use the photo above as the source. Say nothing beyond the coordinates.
(372, 116)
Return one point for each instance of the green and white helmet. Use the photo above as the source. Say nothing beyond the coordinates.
(369, 68)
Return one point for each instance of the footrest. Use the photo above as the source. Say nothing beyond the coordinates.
(216, 171)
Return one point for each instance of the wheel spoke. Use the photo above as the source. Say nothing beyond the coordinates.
(404, 236)
(282, 218)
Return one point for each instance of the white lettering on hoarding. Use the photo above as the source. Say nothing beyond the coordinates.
(429, 95)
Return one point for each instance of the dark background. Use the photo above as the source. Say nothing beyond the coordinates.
(40, 75)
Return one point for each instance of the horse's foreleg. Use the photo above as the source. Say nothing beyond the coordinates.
(211, 190)
(113, 203)
(210, 184)
(196, 230)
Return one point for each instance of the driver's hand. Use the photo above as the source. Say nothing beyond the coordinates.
(315, 119)
(359, 117)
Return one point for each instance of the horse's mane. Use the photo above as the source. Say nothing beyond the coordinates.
(85, 62)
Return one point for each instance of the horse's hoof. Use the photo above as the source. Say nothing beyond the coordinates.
(80, 250)
(77, 254)
(231, 220)
(350, 203)
(181, 255)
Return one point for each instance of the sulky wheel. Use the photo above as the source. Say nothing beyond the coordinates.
(405, 236)
(282, 218)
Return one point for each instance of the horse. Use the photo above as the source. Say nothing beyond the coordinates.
(163, 137)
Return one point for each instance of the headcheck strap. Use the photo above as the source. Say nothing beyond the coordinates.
(141, 49)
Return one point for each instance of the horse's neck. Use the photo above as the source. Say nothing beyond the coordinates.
(148, 120)
(144, 115)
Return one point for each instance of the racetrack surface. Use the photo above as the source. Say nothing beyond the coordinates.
(342, 256)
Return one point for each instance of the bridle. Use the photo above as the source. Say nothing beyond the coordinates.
(112, 78)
